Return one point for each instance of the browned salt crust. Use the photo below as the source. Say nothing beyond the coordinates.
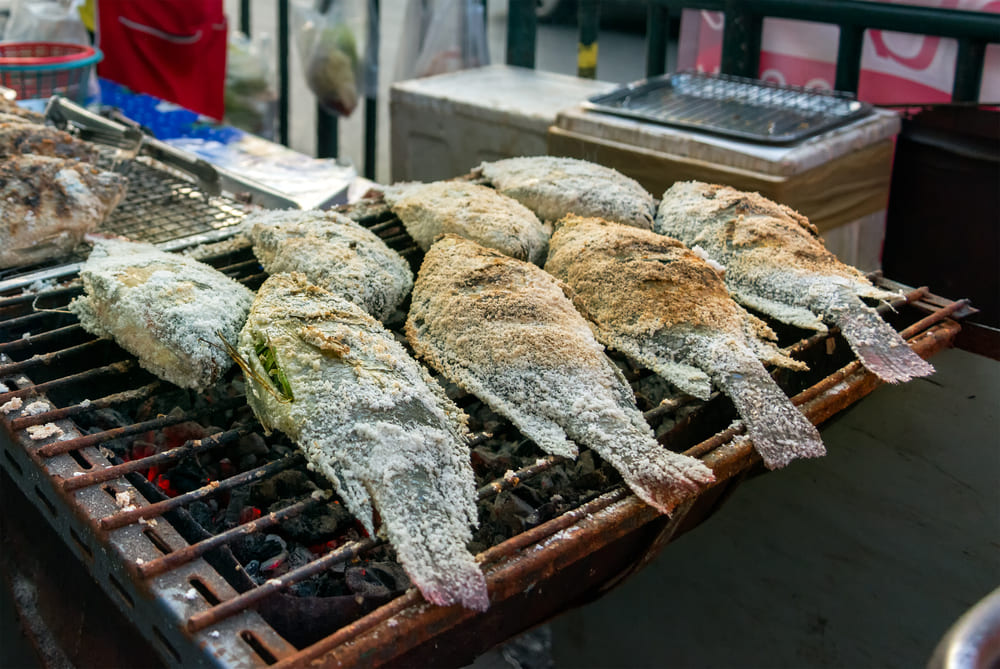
(553, 187)
(20, 138)
(335, 253)
(471, 211)
(776, 263)
(372, 420)
(664, 306)
(505, 331)
(48, 204)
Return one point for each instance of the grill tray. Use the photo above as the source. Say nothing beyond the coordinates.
(731, 106)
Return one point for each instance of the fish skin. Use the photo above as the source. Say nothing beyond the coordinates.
(333, 252)
(504, 330)
(48, 204)
(553, 187)
(776, 262)
(374, 422)
(658, 302)
(19, 137)
(469, 210)
(166, 309)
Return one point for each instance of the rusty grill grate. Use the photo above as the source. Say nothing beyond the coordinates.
(163, 569)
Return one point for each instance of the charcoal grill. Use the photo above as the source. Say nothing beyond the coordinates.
(162, 569)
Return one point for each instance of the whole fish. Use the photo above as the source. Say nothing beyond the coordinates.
(777, 264)
(166, 309)
(372, 420)
(504, 330)
(335, 253)
(48, 204)
(471, 211)
(659, 303)
(553, 187)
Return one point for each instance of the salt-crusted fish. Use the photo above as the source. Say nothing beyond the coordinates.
(14, 109)
(42, 140)
(471, 211)
(373, 421)
(48, 204)
(553, 187)
(777, 264)
(335, 253)
(166, 309)
(504, 330)
(658, 302)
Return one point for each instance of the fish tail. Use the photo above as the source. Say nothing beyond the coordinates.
(878, 346)
(779, 431)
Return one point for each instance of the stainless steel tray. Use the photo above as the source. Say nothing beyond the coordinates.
(738, 107)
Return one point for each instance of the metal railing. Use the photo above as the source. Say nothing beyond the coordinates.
(744, 20)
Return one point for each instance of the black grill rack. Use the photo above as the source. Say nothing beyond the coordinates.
(731, 106)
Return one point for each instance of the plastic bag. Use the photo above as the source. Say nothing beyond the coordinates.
(443, 36)
(251, 85)
(338, 49)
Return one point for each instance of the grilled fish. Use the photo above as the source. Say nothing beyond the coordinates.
(471, 211)
(14, 109)
(167, 310)
(504, 330)
(42, 140)
(373, 421)
(553, 187)
(777, 264)
(335, 253)
(658, 302)
(48, 204)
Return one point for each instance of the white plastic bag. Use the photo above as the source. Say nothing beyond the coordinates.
(338, 49)
(251, 84)
(45, 21)
(442, 36)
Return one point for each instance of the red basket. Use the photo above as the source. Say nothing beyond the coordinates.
(44, 69)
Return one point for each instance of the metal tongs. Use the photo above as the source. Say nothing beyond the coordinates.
(132, 140)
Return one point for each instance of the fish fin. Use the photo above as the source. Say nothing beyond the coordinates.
(349, 486)
(779, 431)
(878, 346)
(797, 316)
(655, 355)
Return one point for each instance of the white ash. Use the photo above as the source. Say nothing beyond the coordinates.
(37, 407)
(12, 405)
(191, 595)
(39, 432)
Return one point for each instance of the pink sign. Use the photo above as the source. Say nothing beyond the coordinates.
(896, 68)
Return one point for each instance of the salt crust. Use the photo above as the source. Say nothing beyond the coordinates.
(505, 331)
(471, 211)
(166, 309)
(553, 187)
(334, 253)
(777, 263)
(22, 138)
(48, 204)
(373, 421)
(40, 432)
(658, 302)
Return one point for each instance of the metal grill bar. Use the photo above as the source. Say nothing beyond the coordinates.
(42, 338)
(60, 447)
(188, 448)
(115, 368)
(104, 402)
(49, 358)
(159, 508)
(188, 553)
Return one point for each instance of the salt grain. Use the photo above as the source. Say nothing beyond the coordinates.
(39, 432)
